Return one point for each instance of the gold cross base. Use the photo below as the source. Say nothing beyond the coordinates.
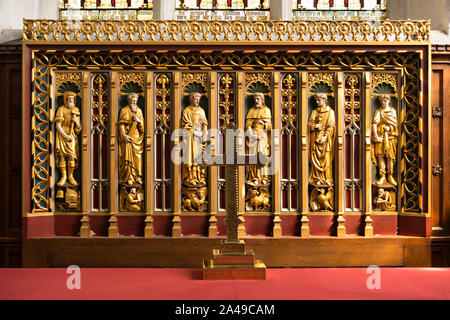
(233, 262)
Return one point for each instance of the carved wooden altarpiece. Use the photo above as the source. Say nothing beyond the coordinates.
(320, 83)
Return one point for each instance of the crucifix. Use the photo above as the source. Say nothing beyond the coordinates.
(233, 261)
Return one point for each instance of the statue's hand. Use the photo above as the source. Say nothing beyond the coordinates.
(198, 134)
(386, 129)
(76, 120)
(323, 140)
(126, 138)
(137, 119)
(318, 126)
(377, 139)
(68, 138)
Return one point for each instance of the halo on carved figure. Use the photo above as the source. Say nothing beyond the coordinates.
(65, 87)
(383, 89)
(195, 87)
(257, 87)
(321, 87)
(131, 87)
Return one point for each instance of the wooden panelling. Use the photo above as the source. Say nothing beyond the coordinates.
(189, 252)
(11, 155)
(440, 156)
(440, 250)
(10, 253)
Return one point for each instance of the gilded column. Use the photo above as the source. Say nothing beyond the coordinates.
(176, 228)
(84, 229)
(212, 229)
(240, 124)
(341, 232)
(148, 231)
(277, 231)
(113, 230)
(368, 228)
(304, 167)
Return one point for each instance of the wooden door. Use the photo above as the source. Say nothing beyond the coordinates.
(10, 155)
(440, 184)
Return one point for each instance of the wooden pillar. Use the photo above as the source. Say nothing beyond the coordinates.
(176, 228)
(212, 229)
(368, 228)
(164, 9)
(148, 230)
(339, 184)
(303, 121)
(113, 194)
(281, 10)
(276, 184)
(240, 124)
(85, 186)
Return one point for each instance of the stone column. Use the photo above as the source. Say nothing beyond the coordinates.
(13, 13)
(164, 9)
(438, 12)
(281, 10)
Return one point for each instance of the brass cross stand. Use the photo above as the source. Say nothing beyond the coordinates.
(233, 261)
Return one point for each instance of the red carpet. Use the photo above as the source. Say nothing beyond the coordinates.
(186, 284)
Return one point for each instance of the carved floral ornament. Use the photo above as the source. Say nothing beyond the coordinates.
(394, 31)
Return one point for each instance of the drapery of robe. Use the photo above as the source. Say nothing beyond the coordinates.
(194, 119)
(63, 147)
(388, 146)
(254, 116)
(321, 155)
(130, 154)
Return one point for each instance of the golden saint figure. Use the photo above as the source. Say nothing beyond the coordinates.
(322, 127)
(383, 201)
(385, 134)
(194, 121)
(259, 123)
(66, 143)
(133, 200)
(131, 142)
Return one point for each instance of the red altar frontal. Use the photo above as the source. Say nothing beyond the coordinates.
(341, 108)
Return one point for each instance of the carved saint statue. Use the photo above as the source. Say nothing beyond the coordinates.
(258, 123)
(194, 121)
(384, 137)
(90, 4)
(320, 200)
(383, 200)
(322, 127)
(132, 200)
(68, 126)
(106, 4)
(131, 142)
